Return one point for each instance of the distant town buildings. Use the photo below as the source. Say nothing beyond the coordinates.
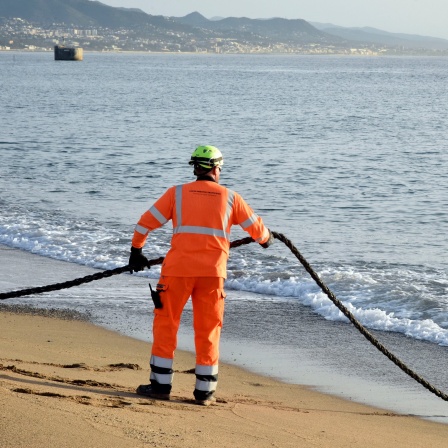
(18, 34)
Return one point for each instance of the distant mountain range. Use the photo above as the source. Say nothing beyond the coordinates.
(85, 13)
(76, 12)
(275, 29)
(379, 37)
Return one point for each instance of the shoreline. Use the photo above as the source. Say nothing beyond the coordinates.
(186, 53)
(22, 269)
(282, 340)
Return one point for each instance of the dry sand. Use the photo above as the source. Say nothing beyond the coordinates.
(68, 383)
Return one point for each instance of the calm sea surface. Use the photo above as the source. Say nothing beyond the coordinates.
(346, 156)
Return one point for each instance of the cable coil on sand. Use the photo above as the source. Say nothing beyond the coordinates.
(237, 243)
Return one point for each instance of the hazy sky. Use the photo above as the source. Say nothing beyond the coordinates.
(424, 17)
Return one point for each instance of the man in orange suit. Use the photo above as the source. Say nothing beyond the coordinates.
(202, 213)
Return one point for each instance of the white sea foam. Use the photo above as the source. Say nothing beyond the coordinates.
(378, 298)
(375, 318)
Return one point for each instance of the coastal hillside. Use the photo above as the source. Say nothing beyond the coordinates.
(75, 12)
(380, 37)
(86, 13)
(275, 29)
(26, 24)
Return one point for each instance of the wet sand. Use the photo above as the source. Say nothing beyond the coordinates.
(68, 383)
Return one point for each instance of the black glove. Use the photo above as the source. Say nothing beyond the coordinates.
(137, 261)
(269, 241)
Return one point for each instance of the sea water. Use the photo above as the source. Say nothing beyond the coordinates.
(346, 156)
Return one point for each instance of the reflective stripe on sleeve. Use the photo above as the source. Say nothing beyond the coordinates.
(249, 221)
(154, 212)
(141, 229)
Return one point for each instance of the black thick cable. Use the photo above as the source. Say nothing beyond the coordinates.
(355, 322)
(234, 244)
(91, 278)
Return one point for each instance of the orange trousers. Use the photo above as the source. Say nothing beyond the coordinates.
(207, 296)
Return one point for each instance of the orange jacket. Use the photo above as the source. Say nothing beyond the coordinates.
(202, 213)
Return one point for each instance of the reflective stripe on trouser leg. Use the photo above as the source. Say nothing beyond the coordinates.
(206, 381)
(161, 376)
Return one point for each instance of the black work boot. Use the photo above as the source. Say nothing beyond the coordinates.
(206, 401)
(204, 398)
(148, 390)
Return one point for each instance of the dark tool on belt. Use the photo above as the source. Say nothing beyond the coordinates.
(155, 295)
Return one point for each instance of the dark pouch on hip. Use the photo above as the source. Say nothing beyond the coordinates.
(155, 295)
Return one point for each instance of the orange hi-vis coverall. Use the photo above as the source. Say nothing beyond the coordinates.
(202, 213)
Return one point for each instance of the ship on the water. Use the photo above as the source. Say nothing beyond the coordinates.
(63, 53)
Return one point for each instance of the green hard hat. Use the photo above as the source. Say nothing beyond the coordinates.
(206, 157)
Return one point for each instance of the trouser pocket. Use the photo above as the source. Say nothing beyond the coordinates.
(155, 295)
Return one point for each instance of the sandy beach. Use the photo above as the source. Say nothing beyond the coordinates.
(65, 382)
(68, 383)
